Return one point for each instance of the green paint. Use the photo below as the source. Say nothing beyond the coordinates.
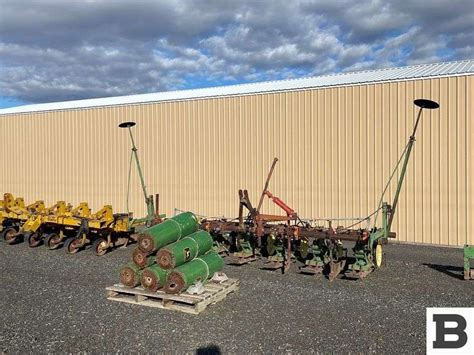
(199, 269)
(169, 231)
(185, 249)
(158, 274)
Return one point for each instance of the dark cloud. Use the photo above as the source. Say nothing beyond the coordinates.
(59, 50)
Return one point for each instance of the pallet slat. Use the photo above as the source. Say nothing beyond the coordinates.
(194, 304)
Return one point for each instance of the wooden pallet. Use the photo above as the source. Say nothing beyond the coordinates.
(184, 302)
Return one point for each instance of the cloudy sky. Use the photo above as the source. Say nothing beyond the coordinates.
(55, 50)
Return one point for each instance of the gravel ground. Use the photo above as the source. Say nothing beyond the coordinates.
(53, 302)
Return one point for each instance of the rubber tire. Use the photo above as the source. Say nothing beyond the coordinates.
(69, 248)
(4, 234)
(48, 239)
(34, 240)
(95, 247)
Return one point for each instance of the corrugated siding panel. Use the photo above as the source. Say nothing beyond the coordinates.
(337, 147)
(469, 160)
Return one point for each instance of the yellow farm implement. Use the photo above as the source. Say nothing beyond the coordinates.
(75, 228)
(14, 213)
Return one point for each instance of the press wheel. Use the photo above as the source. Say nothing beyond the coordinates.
(52, 241)
(271, 245)
(34, 240)
(378, 255)
(303, 248)
(71, 246)
(9, 235)
(100, 246)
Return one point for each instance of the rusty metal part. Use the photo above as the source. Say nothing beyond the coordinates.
(34, 240)
(100, 246)
(240, 259)
(9, 235)
(312, 270)
(356, 275)
(244, 201)
(72, 245)
(335, 268)
(272, 265)
(309, 232)
(288, 253)
(157, 218)
(52, 241)
(267, 182)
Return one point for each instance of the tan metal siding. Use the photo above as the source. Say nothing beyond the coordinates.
(337, 147)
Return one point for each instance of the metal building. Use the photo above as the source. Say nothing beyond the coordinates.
(337, 138)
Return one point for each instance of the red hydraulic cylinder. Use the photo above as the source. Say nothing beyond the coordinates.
(289, 211)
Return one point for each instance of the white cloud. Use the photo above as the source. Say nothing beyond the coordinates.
(57, 50)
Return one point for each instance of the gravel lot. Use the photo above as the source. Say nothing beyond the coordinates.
(53, 302)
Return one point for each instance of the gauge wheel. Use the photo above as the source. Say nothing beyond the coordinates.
(71, 246)
(52, 241)
(304, 248)
(271, 245)
(9, 235)
(100, 246)
(378, 255)
(34, 240)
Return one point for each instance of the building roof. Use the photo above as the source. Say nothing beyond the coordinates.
(341, 79)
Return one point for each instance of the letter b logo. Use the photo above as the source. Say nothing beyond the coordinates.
(450, 330)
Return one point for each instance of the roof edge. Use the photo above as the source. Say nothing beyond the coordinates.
(419, 71)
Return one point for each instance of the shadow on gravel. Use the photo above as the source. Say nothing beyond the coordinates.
(453, 271)
(209, 350)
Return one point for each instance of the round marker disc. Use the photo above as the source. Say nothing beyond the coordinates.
(127, 124)
(425, 103)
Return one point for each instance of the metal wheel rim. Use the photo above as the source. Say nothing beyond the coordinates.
(304, 247)
(271, 248)
(101, 248)
(378, 255)
(53, 241)
(72, 247)
(33, 240)
(7, 236)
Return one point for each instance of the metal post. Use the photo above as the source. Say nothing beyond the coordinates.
(267, 182)
(421, 103)
(135, 154)
(148, 199)
(402, 177)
